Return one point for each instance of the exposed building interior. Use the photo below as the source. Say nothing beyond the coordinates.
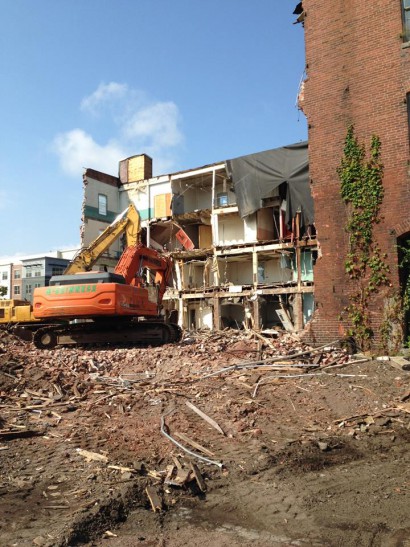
(240, 233)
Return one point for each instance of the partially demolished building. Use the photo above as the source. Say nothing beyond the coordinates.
(240, 232)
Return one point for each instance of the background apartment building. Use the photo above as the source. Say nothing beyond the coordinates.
(21, 277)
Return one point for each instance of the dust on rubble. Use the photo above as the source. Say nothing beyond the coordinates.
(279, 444)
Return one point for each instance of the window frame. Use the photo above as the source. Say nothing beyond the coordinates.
(405, 8)
(103, 205)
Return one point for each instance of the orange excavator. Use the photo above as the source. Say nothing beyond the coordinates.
(103, 307)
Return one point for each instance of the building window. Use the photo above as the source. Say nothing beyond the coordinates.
(16, 290)
(4, 276)
(17, 274)
(102, 204)
(29, 273)
(37, 273)
(28, 289)
(406, 20)
(57, 270)
(37, 285)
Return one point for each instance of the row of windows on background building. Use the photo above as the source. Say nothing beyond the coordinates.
(17, 274)
(29, 289)
(56, 270)
(36, 273)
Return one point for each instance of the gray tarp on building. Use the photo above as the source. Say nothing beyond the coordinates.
(255, 176)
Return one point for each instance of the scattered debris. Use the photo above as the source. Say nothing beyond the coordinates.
(400, 363)
(202, 458)
(92, 456)
(109, 402)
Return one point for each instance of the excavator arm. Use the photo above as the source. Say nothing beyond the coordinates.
(128, 221)
(138, 258)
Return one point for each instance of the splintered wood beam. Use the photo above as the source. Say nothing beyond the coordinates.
(196, 445)
(205, 417)
(198, 477)
(154, 499)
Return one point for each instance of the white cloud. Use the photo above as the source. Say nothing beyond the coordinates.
(103, 94)
(138, 125)
(156, 125)
(77, 149)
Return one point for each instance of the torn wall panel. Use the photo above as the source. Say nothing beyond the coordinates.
(257, 176)
(231, 230)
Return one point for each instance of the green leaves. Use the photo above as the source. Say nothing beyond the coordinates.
(361, 178)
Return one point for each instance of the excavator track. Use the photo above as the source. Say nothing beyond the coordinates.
(141, 333)
(25, 329)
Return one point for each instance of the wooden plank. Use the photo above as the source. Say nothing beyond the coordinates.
(8, 435)
(287, 324)
(205, 417)
(182, 477)
(177, 462)
(170, 472)
(205, 236)
(162, 205)
(92, 456)
(196, 445)
(154, 499)
(198, 477)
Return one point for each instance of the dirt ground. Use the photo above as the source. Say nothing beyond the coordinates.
(309, 450)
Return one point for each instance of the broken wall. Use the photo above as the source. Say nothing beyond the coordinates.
(370, 93)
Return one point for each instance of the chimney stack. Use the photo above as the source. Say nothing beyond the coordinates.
(135, 168)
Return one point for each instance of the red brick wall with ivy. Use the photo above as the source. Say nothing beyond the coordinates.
(358, 72)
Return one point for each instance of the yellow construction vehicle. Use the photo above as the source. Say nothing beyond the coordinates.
(15, 311)
(17, 317)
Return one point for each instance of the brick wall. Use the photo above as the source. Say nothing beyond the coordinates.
(357, 72)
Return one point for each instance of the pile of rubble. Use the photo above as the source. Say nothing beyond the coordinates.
(34, 379)
(47, 384)
(168, 420)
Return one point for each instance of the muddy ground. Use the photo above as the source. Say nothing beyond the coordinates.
(311, 450)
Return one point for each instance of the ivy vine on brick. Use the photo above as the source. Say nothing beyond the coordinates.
(361, 178)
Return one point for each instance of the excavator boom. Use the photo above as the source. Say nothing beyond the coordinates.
(128, 221)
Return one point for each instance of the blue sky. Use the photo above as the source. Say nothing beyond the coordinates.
(86, 83)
